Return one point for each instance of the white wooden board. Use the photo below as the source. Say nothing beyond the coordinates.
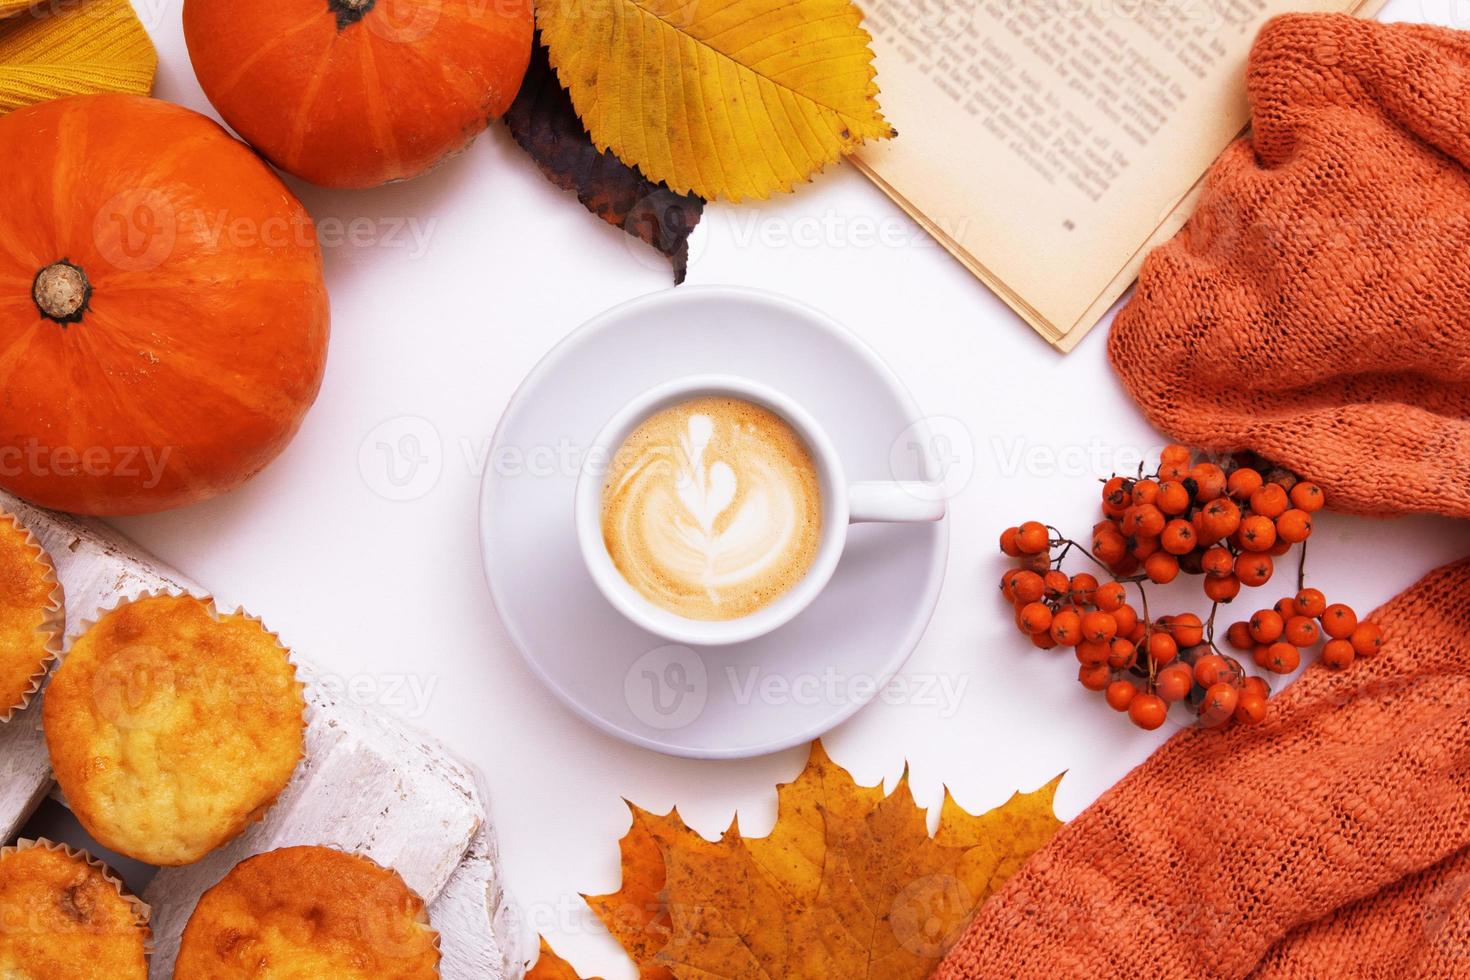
(368, 784)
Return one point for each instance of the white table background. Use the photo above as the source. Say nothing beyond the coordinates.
(447, 290)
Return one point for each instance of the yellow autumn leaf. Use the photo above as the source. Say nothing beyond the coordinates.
(848, 883)
(725, 98)
(56, 50)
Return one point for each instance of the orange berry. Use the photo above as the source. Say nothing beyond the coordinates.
(1308, 497)
(1122, 654)
(1127, 618)
(1338, 654)
(1116, 497)
(1172, 499)
(1257, 533)
(1111, 596)
(1217, 562)
(1250, 708)
(1366, 639)
(1267, 626)
(1109, 546)
(1222, 589)
(1188, 629)
(1120, 694)
(1174, 682)
(1043, 641)
(1269, 501)
(1099, 627)
(1339, 621)
(1005, 585)
(1175, 453)
(1283, 658)
(1244, 482)
(1091, 653)
(1094, 678)
(1008, 543)
(1150, 521)
(1239, 636)
(1027, 586)
(1210, 480)
(1148, 711)
(1161, 567)
(1145, 491)
(1084, 588)
(1256, 685)
(1219, 705)
(1254, 570)
(1173, 471)
(1178, 537)
(1211, 669)
(1162, 648)
(1301, 631)
(1057, 583)
(1311, 602)
(1032, 538)
(1144, 547)
(1066, 628)
(1294, 526)
(1279, 548)
(1221, 517)
(1287, 608)
(1036, 617)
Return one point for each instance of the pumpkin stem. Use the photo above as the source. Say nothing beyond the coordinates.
(61, 292)
(349, 11)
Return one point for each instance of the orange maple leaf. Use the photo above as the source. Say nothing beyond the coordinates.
(849, 883)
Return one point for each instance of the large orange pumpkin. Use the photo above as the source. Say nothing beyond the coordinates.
(356, 93)
(163, 319)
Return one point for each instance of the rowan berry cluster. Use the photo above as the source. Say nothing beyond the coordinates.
(1226, 523)
(1276, 637)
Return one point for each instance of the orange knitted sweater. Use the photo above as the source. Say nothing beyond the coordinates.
(1316, 309)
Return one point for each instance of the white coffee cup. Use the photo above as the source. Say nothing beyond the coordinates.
(843, 503)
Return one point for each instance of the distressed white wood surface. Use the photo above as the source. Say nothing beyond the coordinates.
(368, 784)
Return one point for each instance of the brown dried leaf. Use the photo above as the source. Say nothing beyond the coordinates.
(546, 126)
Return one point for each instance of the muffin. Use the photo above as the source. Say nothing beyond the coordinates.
(307, 912)
(63, 916)
(172, 727)
(31, 619)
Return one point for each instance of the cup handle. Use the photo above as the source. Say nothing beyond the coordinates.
(903, 502)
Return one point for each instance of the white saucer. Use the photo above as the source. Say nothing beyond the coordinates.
(748, 699)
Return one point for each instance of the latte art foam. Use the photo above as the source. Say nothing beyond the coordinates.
(712, 508)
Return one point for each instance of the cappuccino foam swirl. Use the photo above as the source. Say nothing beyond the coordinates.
(712, 508)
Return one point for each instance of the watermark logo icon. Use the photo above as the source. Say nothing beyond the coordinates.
(667, 687)
(402, 458)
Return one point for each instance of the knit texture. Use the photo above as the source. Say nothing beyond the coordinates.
(1315, 306)
(72, 48)
(1315, 309)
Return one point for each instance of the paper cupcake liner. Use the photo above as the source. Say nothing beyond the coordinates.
(210, 607)
(53, 620)
(142, 911)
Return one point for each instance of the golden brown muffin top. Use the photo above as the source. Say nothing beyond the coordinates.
(63, 918)
(302, 913)
(30, 614)
(172, 727)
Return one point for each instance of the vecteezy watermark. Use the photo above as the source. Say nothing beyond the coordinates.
(402, 458)
(143, 463)
(138, 229)
(667, 687)
(940, 447)
(405, 695)
(1019, 456)
(670, 686)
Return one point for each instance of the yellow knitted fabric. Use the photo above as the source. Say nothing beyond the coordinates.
(68, 49)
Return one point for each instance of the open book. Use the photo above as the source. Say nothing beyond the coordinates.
(1050, 144)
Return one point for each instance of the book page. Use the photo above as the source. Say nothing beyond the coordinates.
(1047, 142)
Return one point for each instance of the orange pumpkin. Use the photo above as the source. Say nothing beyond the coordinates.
(163, 319)
(356, 93)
